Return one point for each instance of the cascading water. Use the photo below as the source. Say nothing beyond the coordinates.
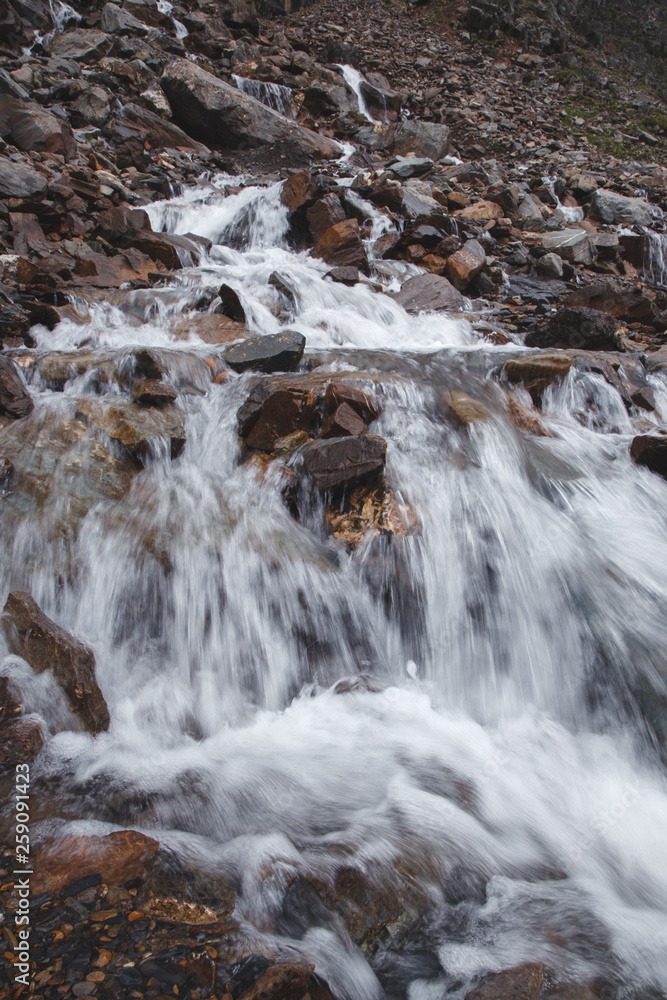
(272, 94)
(166, 7)
(486, 739)
(655, 258)
(354, 80)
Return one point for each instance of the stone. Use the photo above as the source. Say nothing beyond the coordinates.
(278, 352)
(361, 402)
(521, 983)
(283, 412)
(11, 700)
(464, 410)
(160, 134)
(550, 266)
(481, 211)
(370, 509)
(212, 328)
(151, 392)
(344, 275)
(627, 304)
(537, 290)
(341, 246)
(34, 128)
(426, 139)
(586, 329)
(573, 245)
(322, 99)
(282, 981)
(20, 742)
(323, 214)
(342, 422)
(135, 426)
(429, 293)
(118, 857)
(341, 461)
(651, 451)
(218, 113)
(465, 264)
(20, 180)
(122, 22)
(617, 209)
(231, 303)
(298, 190)
(173, 251)
(93, 106)
(410, 166)
(46, 646)
(85, 44)
(15, 400)
(536, 371)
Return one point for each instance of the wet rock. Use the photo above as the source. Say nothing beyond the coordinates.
(173, 251)
(212, 328)
(231, 304)
(322, 99)
(282, 981)
(135, 426)
(547, 367)
(87, 45)
(151, 392)
(213, 110)
(465, 264)
(617, 209)
(524, 420)
(336, 462)
(342, 422)
(11, 700)
(370, 510)
(298, 190)
(323, 214)
(15, 400)
(421, 138)
(622, 303)
(281, 413)
(118, 857)
(429, 293)
(522, 983)
(279, 352)
(20, 180)
(361, 402)
(465, 410)
(587, 329)
(46, 646)
(651, 451)
(344, 275)
(20, 742)
(341, 246)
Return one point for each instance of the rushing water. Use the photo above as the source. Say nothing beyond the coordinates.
(272, 94)
(655, 263)
(354, 79)
(498, 745)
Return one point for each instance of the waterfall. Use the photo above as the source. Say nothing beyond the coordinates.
(354, 80)
(655, 258)
(272, 94)
(166, 7)
(458, 703)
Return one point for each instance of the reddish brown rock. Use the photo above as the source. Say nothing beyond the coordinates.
(323, 214)
(152, 392)
(46, 646)
(341, 461)
(15, 400)
(522, 983)
(283, 412)
(429, 293)
(341, 246)
(481, 211)
(343, 422)
(284, 981)
(117, 857)
(465, 264)
(651, 451)
(20, 742)
(11, 700)
(298, 190)
(361, 402)
(370, 509)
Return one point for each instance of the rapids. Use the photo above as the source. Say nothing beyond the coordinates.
(491, 729)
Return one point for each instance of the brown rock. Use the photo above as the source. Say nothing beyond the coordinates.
(117, 857)
(135, 426)
(20, 742)
(434, 263)
(344, 421)
(465, 264)
(212, 328)
(603, 296)
(174, 251)
(151, 392)
(341, 246)
(231, 303)
(11, 700)
(281, 982)
(523, 420)
(361, 402)
(522, 983)
(429, 293)
(465, 410)
(15, 400)
(34, 128)
(651, 451)
(298, 190)
(481, 211)
(370, 509)
(341, 461)
(323, 214)
(283, 412)
(547, 367)
(46, 646)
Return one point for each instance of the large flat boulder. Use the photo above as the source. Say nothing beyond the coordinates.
(334, 462)
(617, 209)
(223, 116)
(277, 352)
(429, 293)
(421, 138)
(20, 180)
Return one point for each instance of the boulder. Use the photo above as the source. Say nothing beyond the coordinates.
(118, 857)
(93, 106)
(214, 111)
(521, 983)
(15, 400)
(278, 352)
(361, 402)
(546, 367)
(341, 246)
(173, 251)
(160, 134)
(341, 461)
(231, 303)
(342, 422)
(464, 410)
(20, 742)
(115, 20)
(135, 426)
(481, 211)
(152, 392)
(298, 190)
(323, 214)
(604, 296)
(617, 209)
(550, 266)
(586, 329)
(322, 99)
(35, 129)
(410, 166)
(11, 700)
(383, 103)
(344, 275)
(651, 451)
(46, 646)
(85, 44)
(421, 138)
(574, 245)
(282, 412)
(429, 293)
(20, 180)
(465, 264)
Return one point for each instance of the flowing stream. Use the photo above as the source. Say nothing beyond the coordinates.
(468, 703)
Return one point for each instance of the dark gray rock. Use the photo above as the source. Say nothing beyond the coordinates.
(651, 451)
(427, 139)
(335, 462)
(15, 400)
(20, 180)
(279, 352)
(429, 293)
(586, 329)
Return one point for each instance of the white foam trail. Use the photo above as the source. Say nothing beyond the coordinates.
(273, 95)
(353, 78)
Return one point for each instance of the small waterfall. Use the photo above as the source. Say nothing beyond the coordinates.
(354, 80)
(273, 95)
(61, 14)
(165, 7)
(571, 213)
(655, 258)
